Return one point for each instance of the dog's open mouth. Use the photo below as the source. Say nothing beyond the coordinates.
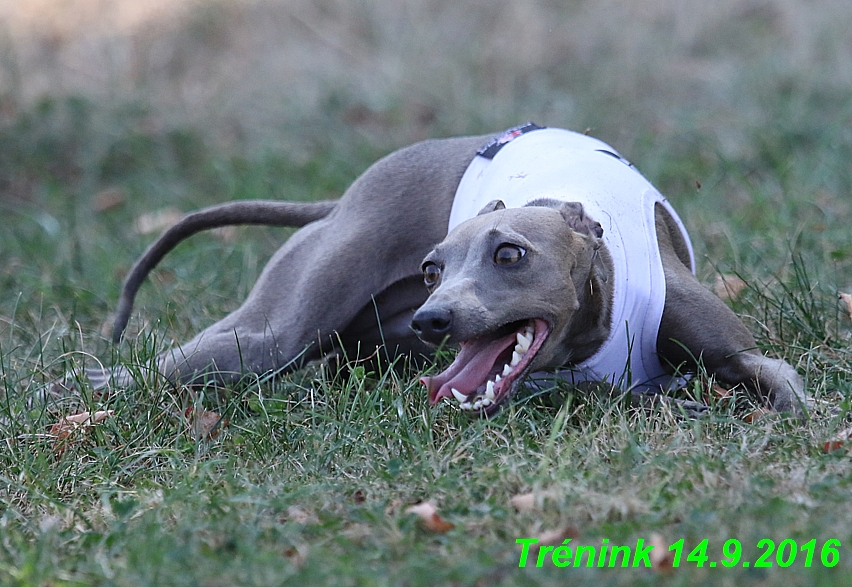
(488, 369)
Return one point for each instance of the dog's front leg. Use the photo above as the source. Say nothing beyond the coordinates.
(698, 326)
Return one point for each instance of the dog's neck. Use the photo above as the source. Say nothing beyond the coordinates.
(590, 325)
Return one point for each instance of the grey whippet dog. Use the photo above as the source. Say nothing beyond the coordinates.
(522, 290)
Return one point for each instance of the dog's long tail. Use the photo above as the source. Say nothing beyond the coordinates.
(258, 212)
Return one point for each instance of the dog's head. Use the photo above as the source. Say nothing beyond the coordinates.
(516, 290)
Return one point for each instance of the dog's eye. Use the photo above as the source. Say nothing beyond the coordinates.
(431, 274)
(507, 254)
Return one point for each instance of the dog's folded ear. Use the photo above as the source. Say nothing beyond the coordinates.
(492, 206)
(575, 216)
(573, 213)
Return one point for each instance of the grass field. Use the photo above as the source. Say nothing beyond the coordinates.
(740, 112)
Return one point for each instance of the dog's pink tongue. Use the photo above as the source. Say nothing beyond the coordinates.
(474, 362)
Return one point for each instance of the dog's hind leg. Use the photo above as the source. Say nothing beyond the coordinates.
(382, 329)
(329, 272)
(305, 296)
(305, 293)
(379, 333)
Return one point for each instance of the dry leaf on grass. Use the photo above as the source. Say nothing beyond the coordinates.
(70, 423)
(549, 538)
(715, 392)
(728, 286)
(525, 502)
(300, 516)
(757, 414)
(296, 555)
(838, 441)
(108, 199)
(204, 423)
(156, 221)
(661, 557)
(846, 299)
(555, 537)
(720, 392)
(63, 429)
(393, 507)
(428, 514)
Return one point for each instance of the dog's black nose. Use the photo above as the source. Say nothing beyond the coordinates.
(432, 324)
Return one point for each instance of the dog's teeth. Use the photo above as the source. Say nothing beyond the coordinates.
(516, 358)
(489, 393)
(458, 395)
(497, 379)
(523, 343)
(487, 401)
(506, 370)
(478, 403)
(529, 331)
(466, 406)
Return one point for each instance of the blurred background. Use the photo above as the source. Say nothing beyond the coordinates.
(250, 74)
(738, 110)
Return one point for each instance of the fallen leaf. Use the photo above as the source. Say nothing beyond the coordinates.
(358, 496)
(63, 429)
(204, 423)
(156, 221)
(428, 514)
(846, 299)
(838, 441)
(525, 502)
(662, 559)
(69, 423)
(720, 392)
(296, 555)
(757, 415)
(300, 516)
(106, 200)
(715, 392)
(393, 507)
(728, 286)
(554, 537)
